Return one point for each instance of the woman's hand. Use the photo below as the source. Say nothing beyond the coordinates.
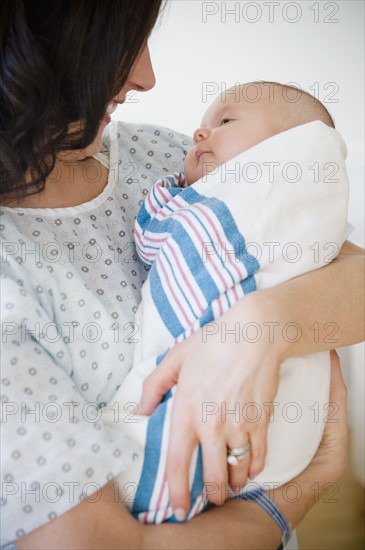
(329, 462)
(228, 374)
(332, 452)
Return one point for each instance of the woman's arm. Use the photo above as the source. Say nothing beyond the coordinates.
(106, 523)
(327, 304)
(320, 310)
(238, 524)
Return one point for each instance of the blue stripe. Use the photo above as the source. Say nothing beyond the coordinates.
(153, 193)
(228, 300)
(197, 267)
(237, 241)
(249, 284)
(198, 270)
(176, 279)
(143, 216)
(210, 239)
(166, 311)
(196, 488)
(260, 497)
(198, 484)
(228, 224)
(151, 460)
(207, 317)
(180, 234)
(175, 228)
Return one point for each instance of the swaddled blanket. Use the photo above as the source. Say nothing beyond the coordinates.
(274, 212)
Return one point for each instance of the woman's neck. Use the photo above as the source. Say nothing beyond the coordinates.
(69, 184)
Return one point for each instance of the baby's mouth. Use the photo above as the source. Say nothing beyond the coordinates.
(199, 153)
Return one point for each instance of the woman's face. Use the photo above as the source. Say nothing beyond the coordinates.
(142, 79)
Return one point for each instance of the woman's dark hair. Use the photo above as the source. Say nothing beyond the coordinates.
(61, 61)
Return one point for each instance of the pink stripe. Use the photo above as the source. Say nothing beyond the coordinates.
(164, 479)
(172, 291)
(140, 241)
(234, 290)
(143, 242)
(153, 208)
(183, 204)
(213, 227)
(160, 192)
(182, 214)
(138, 234)
(195, 231)
(150, 238)
(143, 255)
(163, 193)
(197, 507)
(166, 512)
(220, 307)
(180, 268)
(162, 488)
(180, 203)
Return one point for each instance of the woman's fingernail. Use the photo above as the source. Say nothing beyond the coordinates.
(180, 514)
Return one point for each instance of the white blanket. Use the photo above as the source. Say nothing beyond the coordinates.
(272, 213)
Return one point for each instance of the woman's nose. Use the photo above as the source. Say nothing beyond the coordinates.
(141, 77)
(200, 134)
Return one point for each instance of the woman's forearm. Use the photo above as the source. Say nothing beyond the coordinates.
(318, 311)
(236, 525)
(242, 524)
(106, 524)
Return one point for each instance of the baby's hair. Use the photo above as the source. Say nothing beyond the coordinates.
(303, 108)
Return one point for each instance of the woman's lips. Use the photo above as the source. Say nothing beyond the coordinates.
(112, 105)
(111, 109)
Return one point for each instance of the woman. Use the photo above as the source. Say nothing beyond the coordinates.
(62, 65)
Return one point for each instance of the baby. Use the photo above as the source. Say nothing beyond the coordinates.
(244, 116)
(186, 232)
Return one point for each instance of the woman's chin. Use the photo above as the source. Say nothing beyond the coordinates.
(92, 149)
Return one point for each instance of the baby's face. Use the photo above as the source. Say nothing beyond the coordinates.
(230, 126)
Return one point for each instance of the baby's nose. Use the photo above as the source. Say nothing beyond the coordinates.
(200, 134)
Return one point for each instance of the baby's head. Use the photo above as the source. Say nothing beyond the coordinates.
(245, 115)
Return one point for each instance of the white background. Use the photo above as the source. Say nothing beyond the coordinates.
(193, 48)
(318, 45)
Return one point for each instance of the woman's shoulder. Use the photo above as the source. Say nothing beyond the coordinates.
(153, 130)
(151, 137)
(142, 153)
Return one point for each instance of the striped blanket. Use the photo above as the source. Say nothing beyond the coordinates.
(270, 214)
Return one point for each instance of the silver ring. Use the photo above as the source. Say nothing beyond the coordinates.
(235, 455)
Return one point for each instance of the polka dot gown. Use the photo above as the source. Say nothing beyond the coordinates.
(70, 286)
